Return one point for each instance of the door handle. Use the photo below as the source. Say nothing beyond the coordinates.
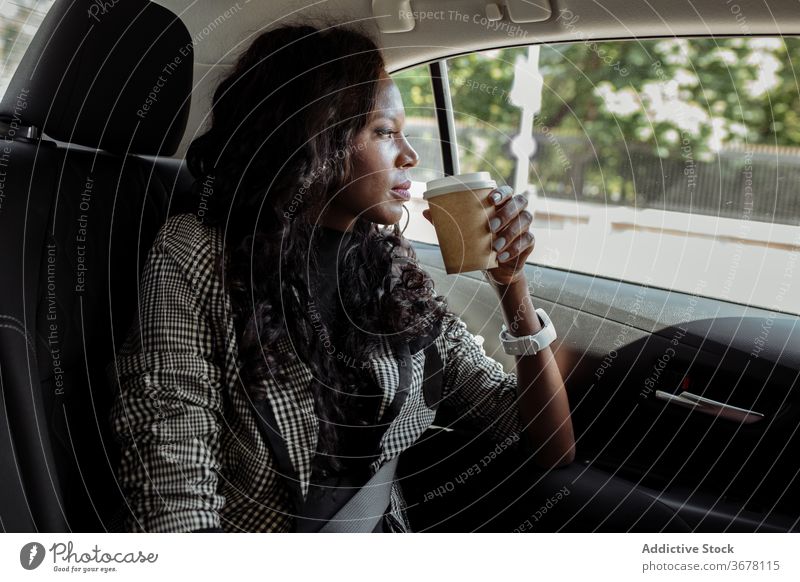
(711, 407)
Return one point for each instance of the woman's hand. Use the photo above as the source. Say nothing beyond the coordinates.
(511, 235)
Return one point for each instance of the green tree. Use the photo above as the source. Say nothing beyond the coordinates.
(613, 106)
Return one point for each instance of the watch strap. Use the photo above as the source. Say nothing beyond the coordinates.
(529, 344)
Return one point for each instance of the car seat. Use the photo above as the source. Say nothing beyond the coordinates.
(101, 96)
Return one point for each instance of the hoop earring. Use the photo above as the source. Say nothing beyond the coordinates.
(408, 219)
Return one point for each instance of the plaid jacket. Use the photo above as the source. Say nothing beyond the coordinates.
(192, 456)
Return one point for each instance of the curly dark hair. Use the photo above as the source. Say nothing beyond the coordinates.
(277, 149)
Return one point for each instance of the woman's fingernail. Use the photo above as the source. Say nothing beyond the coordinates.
(499, 243)
(494, 224)
(496, 196)
(503, 256)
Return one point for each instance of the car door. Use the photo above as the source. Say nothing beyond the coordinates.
(664, 178)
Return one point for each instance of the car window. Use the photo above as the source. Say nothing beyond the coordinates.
(423, 134)
(19, 21)
(669, 162)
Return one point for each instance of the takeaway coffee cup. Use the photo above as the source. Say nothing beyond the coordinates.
(460, 211)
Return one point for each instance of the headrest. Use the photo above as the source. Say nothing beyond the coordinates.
(107, 74)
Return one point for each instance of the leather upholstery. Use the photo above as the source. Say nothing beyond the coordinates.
(75, 226)
(117, 79)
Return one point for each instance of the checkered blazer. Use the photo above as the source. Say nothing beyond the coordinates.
(192, 455)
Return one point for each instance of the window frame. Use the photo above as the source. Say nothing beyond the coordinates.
(445, 115)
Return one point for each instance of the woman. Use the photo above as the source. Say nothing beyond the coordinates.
(284, 295)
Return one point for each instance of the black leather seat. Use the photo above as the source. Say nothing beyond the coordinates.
(79, 208)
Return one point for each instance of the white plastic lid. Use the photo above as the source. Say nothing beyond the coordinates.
(473, 181)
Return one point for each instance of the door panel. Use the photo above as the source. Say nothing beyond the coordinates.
(620, 343)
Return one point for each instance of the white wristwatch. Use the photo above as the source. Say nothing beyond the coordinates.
(529, 345)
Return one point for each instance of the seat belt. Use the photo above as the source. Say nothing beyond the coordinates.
(364, 510)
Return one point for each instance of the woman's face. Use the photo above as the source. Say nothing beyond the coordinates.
(381, 157)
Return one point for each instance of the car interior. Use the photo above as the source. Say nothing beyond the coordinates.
(684, 388)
